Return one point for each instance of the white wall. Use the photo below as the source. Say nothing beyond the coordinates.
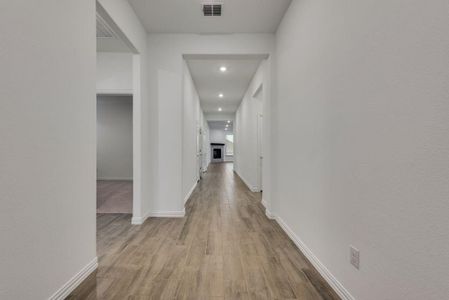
(362, 147)
(192, 122)
(114, 138)
(145, 111)
(165, 65)
(246, 157)
(47, 149)
(217, 136)
(248, 148)
(114, 73)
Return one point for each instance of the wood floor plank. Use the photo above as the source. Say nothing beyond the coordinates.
(224, 248)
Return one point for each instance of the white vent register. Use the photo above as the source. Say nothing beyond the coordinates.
(212, 9)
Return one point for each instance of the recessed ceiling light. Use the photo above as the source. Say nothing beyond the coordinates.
(223, 68)
(227, 125)
(219, 109)
(229, 121)
(220, 95)
(226, 129)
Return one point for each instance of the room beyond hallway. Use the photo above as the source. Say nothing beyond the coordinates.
(225, 248)
(115, 152)
(115, 196)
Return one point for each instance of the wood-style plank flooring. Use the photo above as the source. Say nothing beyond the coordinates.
(225, 248)
(114, 196)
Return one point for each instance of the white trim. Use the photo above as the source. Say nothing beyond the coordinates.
(168, 214)
(158, 214)
(73, 283)
(115, 178)
(186, 198)
(250, 187)
(115, 92)
(137, 141)
(139, 220)
(321, 268)
(268, 213)
(257, 90)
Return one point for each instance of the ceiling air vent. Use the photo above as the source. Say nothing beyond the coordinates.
(212, 9)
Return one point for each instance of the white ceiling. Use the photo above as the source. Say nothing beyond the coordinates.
(186, 16)
(210, 82)
(220, 125)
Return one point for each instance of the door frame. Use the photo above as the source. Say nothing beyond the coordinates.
(137, 66)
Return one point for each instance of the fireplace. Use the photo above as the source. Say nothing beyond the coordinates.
(217, 151)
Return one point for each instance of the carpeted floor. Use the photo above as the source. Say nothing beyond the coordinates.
(114, 196)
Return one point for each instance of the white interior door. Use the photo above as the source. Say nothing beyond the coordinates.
(258, 97)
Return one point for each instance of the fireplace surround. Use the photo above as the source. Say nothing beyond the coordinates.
(217, 152)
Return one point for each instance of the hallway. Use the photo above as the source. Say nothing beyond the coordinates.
(225, 248)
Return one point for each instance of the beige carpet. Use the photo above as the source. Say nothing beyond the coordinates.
(114, 197)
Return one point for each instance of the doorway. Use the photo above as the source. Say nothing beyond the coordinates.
(114, 154)
(118, 94)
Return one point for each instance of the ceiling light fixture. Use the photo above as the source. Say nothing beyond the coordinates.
(223, 68)
(229, 121)
(220, 95)
(219, 109)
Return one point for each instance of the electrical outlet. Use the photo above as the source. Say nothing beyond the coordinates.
(354, 257)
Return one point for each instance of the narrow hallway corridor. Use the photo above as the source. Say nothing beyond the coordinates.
(225, 248)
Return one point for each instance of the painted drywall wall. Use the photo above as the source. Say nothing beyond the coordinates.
(114, 138)
(195, 153)
(219, 117)
(145, 112)
(362, 148)
(47, 149)
(192, 123)
(165, 65)
(217, 136)
(114, 73)
(247, 150)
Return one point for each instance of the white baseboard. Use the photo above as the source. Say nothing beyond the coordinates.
(190, 192)
(158, 214)
(115, 178)
(139, 220)
(321, 268)
(168, 214)
(73, 283)
(250, 187)
(268, 213)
